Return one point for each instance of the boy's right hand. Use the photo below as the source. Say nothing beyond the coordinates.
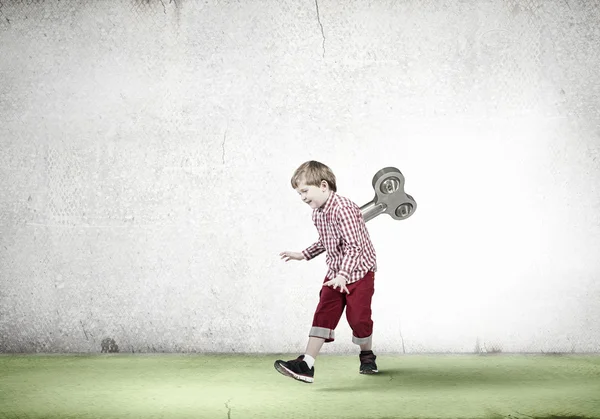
(291, 255)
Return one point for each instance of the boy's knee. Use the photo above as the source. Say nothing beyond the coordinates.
(360, 322)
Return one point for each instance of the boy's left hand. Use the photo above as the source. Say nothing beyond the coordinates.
(338, 281)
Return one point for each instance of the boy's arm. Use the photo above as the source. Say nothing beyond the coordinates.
(314, 250)
(350, 222)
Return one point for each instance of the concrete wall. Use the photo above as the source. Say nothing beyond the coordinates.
(147, 147)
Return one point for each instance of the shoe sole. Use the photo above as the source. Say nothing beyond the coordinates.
(289, 373)
(369, 372)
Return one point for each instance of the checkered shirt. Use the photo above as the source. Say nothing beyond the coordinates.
(344, 237)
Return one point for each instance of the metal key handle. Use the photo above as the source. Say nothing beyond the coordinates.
(390, 197)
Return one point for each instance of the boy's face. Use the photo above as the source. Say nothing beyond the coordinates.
(314, 196)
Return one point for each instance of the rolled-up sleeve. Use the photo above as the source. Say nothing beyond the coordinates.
(313, 250)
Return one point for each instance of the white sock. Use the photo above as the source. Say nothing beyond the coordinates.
(310, 361)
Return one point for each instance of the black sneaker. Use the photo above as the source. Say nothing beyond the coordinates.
(367, 363)
(296, 368)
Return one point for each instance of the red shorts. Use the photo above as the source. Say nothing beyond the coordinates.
(358, 310)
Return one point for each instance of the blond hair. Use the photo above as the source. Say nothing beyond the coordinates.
(313, 173)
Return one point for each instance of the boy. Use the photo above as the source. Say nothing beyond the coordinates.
(351, 268)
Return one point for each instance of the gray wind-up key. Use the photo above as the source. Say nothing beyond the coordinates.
(390, 197)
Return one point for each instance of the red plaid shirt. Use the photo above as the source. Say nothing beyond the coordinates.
(344, 236)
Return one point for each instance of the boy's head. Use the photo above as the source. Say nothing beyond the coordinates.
(314, 182)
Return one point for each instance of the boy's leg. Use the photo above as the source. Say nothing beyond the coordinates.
(314, 346)
(358, 310)
(358, 313)
(326, 317)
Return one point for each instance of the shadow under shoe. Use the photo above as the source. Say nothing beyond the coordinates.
(297, 369)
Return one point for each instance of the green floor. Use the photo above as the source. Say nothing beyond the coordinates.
(243, 387)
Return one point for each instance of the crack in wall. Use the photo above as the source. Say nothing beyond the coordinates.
(84, 332)
(402, 340)
(321, 25)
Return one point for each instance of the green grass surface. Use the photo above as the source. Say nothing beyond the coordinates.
(241, 387)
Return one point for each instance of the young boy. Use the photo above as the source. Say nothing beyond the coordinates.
(351, 268)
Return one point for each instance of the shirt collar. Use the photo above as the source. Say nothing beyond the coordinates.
(329, 203)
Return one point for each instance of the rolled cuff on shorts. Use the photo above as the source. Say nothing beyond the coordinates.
(322, 332)
(362, 341)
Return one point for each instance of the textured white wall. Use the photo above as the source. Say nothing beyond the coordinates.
(147, 146)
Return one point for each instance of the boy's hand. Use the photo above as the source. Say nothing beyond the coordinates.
(291, 255)
(338, 281)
